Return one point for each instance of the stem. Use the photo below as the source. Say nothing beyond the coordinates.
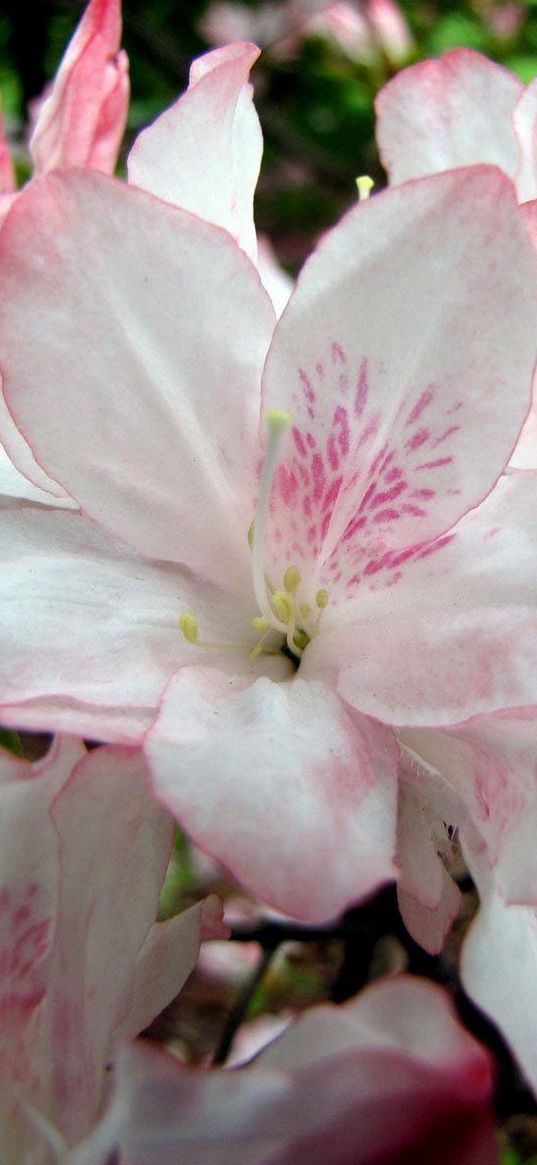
(238, 1012)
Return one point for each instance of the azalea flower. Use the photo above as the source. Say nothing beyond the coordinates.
(388, 1079)
(393, 393)
(84, 965)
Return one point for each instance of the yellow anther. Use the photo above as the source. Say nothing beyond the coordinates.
(251, 535)
(277, 420)
(365, 185)
(282, 606)
(188, 624)
(305, 610)
(292, 579)
(301, 639)
(321, 598)
(260, 623)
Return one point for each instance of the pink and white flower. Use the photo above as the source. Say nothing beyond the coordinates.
(390, 1078)
(83, 963)
(398, 580)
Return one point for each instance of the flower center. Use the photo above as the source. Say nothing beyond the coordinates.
(281, 609)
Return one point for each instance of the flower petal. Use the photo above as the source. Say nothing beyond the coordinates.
(115, 842)
(397, 362)
(389, 1076)
(164, 962)
(204, 153)
(14, 485)
(82, 121)
(490, 762)
(89, 633)
(499, 969)
(131, 355)
(441, 114)
(525, 125)
(429, 899)
(451, 630)
(224, 750)
(16, 452)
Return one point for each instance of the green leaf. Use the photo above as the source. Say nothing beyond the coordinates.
(11, 740)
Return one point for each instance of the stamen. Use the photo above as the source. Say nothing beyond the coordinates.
(188, 624)
(260, 623)
(283, 607)
(277, 422)
(321, 598)
(365, 185)
(292, 579)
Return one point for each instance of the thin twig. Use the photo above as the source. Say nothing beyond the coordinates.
(238, 1012)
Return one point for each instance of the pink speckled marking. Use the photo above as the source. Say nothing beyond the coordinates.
(332, 453)
(444, 436)
(417, 439)
(24, 943)
(422, 403)
(354, 489)
(299, 442)
(440, 461)
(362, 389)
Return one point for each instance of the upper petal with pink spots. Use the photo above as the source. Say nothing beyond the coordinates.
(402, 408)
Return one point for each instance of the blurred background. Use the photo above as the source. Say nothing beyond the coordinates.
(315, 84)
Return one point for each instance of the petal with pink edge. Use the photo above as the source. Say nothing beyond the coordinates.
(428, 898)
(204, 153)
(131, 355)
(390, 1076)
(15, 452)
(115, 843)
(28, 883)
(397, 363)
(89, 634)
(82, 121)
(442, 114)
(165, 961)
(445, 631)
(490, 763)
(227, 755)
(14, 485)
(29, 889)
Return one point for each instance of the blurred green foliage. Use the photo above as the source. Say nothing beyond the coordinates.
(11, 740)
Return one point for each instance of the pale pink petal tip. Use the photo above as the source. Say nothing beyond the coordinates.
(204, 153)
